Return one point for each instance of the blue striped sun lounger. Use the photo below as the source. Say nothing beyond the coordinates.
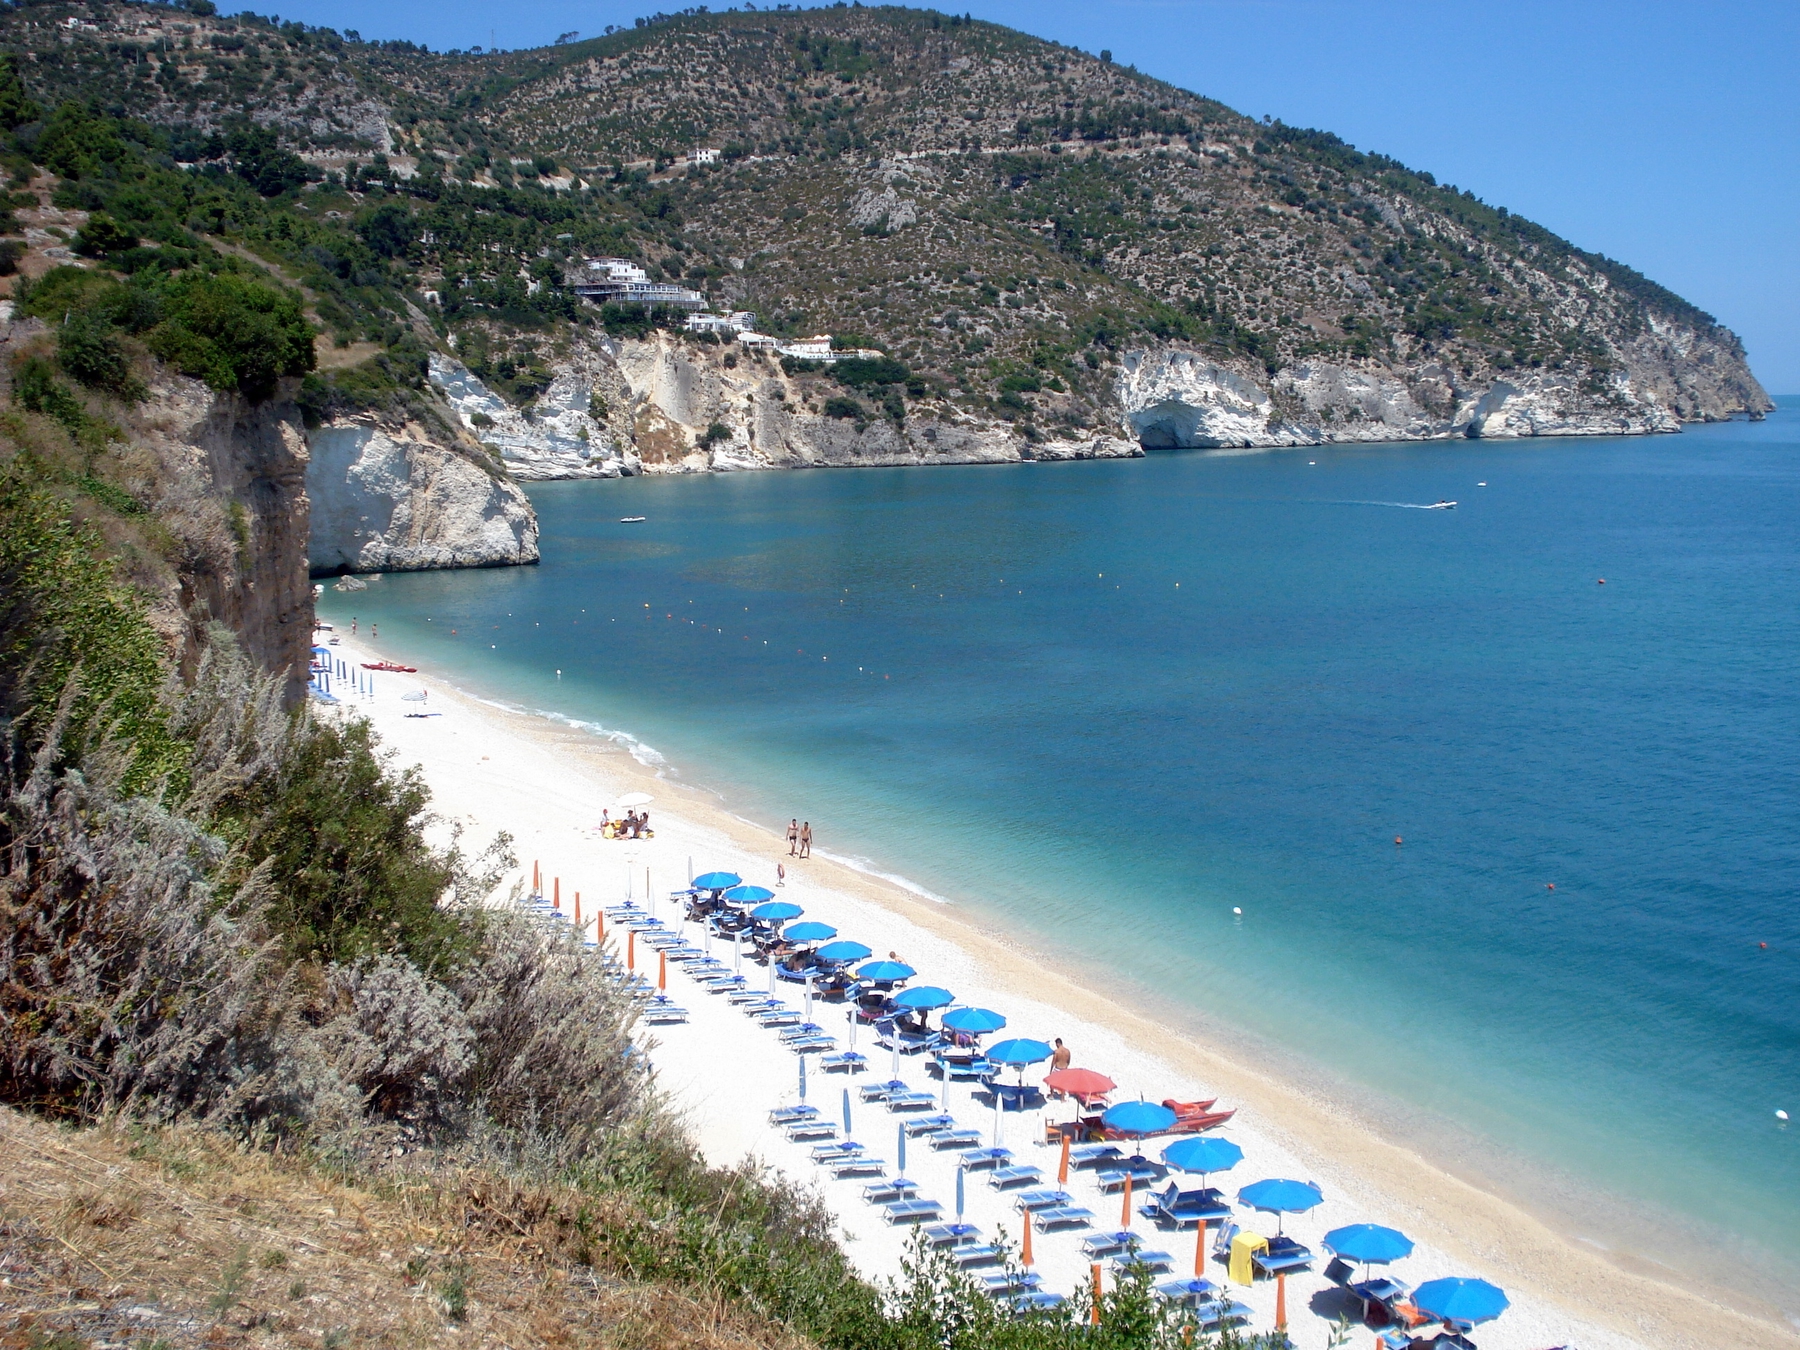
(912, 1211)
(800, 1031)
(976, 1254)
(1098, 1245)
(747, 996)
(986, 1157)
(951, 1234)
(1160, 1262)
(846, 1148)
(1284, 1255)
(1221, 1312)
(951, 1139)
(811, 1129)
(860, 1164)
(724, 984)
(845, 1061)
(919, 1125)
(1004, 1178)
(890, 1190)
(1009, 1281)
(1113, 1178)
(665, 1014)
(778, 1017)
(1035, 1300)
(1049, 1197)
(1093, 1155)
(912, 1101)
(880, 1092)
(811, 1045)
(1062, 1216)
(788, 1115)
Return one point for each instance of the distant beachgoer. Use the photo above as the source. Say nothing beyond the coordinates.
(374, 630)
(1061, 1059)
(642, 825)
(806, 839)
(353, 625)
(780, 874)
(605, 821)
(793, 836)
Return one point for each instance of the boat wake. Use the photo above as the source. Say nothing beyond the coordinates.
(1404, 506)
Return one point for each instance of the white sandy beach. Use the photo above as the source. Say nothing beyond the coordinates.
(545, 783)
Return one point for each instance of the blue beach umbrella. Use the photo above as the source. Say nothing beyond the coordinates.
(1138, 1118)
(974, 1021)
(1460, 1300)
(776, 911)
(1203, 1154)
(900, 1149)
(846, 1112)
(959, 1193)
(1278, 1196)
(803, 1078)
(810, 931)
(1369, 1243)
(748, 895)
(716, 881)
(886, 972)
(924, 998)
(1019, 1051)
(842, 953)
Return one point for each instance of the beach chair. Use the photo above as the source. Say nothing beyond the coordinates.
(890, 1190)
(845, 1061)
(911, 1101)
(919, 1125)
(723, 984)
(808, 1130)
(791, 1115)
(860, 1164)
(1061, 1216)
(912, 1211)
(778, 1017)
(950, 1234)
(1098, 1245)
(812, 1045)
(985, 1157)
(1005, 1178)
(1283, 1257)
(1009, 1282)
(944, 1140)
(844, 1148)
(1221, 1312)
(1045, 1197)
(800, 1030)
(1093, 1155)
(1157, 1261)
(880, 1092)
(1179, 1208)
(1035, 1300)
(745, 997)
(976, 1254)
(664, 1014)
(1141, 1172)
(1221, 1248)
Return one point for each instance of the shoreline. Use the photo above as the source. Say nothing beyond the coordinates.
(1565, 1288)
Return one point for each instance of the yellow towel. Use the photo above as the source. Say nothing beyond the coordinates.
(1243, 1247)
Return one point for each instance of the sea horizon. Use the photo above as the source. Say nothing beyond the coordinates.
(1383, 734)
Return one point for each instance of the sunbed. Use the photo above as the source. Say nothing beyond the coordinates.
(890, 1190)
(1097, 1245)
(880, 1092)
(919, 1125)
(745, 997)
(1378, 1296)
(1155, 1261)
(1004, 1178)
(778, 1017)
(860, 1164)
(801, 1030)
(1284, 1255)
(949, 1139)
(811, 1129)
(789, 1115)
(1062, 1216)
(1221, 1249)
(951, 1234)
(844, 1148)
(723, 984)
(976, 1254)
(1185, 1208)
(911, 1101)
(665, 1014)
(912, 1211)
(1049, 1197)
(1093, 1155)
(845, 1061)
(964, 1069)
(985, 1157)
(1009, 1281)
(811, 1045)
(1141, 1172)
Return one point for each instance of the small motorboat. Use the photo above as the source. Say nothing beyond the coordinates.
(1441, 506)
(632, 520)
(390, 666)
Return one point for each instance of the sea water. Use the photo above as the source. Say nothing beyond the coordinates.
(1107, 706)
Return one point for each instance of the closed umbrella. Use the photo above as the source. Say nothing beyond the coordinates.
(1459, 1299)
(846, 1113)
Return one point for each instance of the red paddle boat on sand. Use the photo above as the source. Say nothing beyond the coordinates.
(390, 666)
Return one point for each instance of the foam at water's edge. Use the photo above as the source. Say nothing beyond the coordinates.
(868, 868)
(647, 755)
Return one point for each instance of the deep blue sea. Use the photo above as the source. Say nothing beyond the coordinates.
(1105, 704)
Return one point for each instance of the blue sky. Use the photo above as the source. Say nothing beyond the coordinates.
(1666, 135)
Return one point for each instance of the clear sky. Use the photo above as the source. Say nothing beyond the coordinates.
(1666, 135)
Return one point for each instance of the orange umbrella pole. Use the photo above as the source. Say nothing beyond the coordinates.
(1200, 1251)
(1125, 1210)
(631, 950)
(537, 885)
(599, 928)
(662, 971)
(1095, 1315)
(578, 924)
(1281, 1302)
(1062, 1168)
(556, 893)
(1025, 1251)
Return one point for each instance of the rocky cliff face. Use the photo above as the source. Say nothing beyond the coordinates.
(629, 407)
(390, 496)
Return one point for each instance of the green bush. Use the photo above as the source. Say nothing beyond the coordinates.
(862, 372)
(232, 332)
(103, 235)
(36, 389)
(89, 349)
(847, 408)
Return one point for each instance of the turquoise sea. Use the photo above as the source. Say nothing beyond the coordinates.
(1105, 705)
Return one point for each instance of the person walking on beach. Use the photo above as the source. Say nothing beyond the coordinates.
(806, 839)
(793, 836)
(1059, 1059)
(780, 874)
(353, 625)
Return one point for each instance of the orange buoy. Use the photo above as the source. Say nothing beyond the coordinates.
(1396, 841)
(1603, 581)
(1549, 885)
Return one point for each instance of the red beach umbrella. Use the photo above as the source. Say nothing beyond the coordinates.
(1079, 1082)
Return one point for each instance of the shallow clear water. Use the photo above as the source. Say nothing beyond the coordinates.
(1106, 703)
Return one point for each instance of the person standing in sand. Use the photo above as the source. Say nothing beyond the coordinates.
(1059, 1059)
(780, 874)
(793, 836)
(806, 839)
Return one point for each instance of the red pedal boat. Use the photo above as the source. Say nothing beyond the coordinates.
(390, 666)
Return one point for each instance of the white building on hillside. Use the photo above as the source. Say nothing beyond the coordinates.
(708, 156)
(620, 282)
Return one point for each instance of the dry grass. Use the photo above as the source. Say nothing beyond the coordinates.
(175, 1239)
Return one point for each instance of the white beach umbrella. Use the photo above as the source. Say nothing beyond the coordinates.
(636, 799)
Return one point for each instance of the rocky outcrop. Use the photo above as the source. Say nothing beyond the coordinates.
(391, 496)
(1175, 398)
(646, 407)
